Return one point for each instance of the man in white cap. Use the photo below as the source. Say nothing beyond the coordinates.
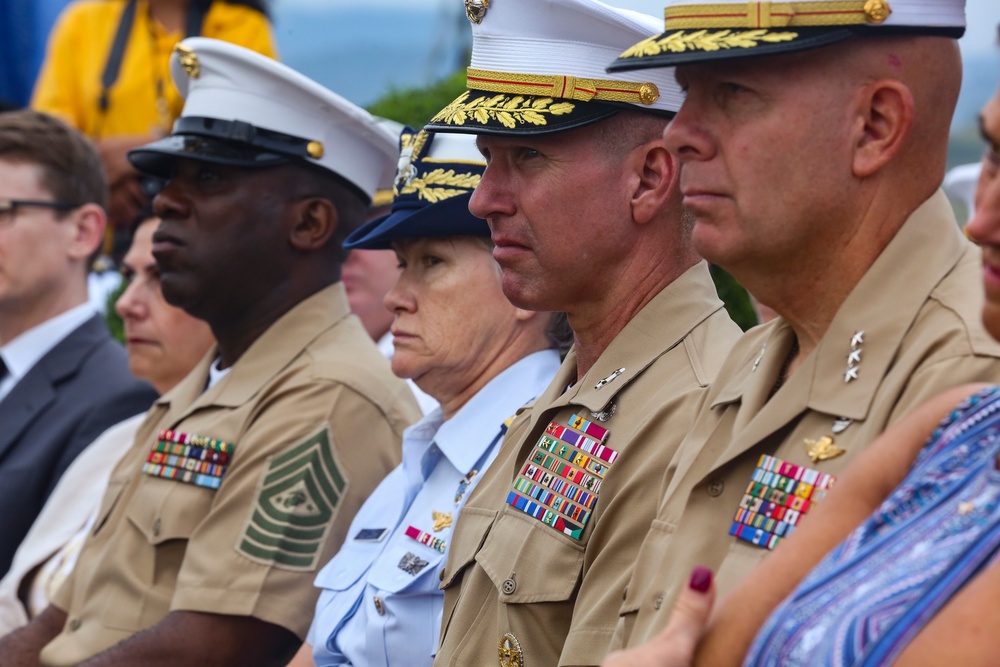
(243, 479)
(812, 142)
(581, 198)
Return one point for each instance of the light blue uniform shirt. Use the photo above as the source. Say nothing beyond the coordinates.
(380, 603)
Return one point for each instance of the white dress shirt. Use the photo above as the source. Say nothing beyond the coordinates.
(20, 354)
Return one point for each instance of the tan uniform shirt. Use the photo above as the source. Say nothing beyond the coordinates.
(525, 582)
(908, 331)
(314, 418)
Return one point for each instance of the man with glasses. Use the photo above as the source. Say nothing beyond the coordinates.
(63, 380)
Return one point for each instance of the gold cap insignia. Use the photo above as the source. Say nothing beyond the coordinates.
(823, 449)
(476, 10)
(510, 651)
(877, 11)
(188, 60)
(406, 171)
(315, 150)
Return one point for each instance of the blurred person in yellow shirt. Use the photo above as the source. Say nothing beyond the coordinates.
(106, 73)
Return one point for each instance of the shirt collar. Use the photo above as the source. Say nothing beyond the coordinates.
(26, 350)
(661, 324)
(490, 407)
(930, 239)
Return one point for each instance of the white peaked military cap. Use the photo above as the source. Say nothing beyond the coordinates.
(247, 110)
(538, 66)
(697, 31)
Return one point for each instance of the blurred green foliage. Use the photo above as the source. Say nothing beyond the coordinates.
(735, 297)
(111, 316)
(416, 106)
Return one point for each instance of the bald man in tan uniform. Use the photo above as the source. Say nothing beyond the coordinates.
(584, 210)
(242, 481)
(814, 175)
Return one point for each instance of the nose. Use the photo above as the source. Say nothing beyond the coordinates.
(984, 228)
(491, 198)
(169, 203)
(400, 297)
(131, 305)
(685, 136)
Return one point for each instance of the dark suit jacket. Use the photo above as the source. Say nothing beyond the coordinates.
(76, 391)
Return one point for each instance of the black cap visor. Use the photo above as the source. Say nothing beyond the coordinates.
(446, 218)
(692, 46)
(160, 157)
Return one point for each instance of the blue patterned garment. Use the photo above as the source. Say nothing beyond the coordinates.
(878, 588)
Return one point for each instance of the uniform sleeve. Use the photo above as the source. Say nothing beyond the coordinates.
(57, 90)
(244, 27)
(614, 545)
(299, 474)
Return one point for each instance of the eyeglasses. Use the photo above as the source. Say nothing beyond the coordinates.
(8, 207)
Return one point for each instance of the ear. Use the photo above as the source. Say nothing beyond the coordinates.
(886, 110)
(316, 222)
(655, 177)
(86, 225)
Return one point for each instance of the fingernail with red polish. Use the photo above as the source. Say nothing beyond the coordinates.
(701, 579)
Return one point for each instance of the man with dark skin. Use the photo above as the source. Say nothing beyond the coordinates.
(275, 439)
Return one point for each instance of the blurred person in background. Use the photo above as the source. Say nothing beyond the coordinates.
(106, 73)
(163, 344)
(63, 379)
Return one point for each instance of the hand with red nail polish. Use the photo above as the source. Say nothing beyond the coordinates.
(675, 645)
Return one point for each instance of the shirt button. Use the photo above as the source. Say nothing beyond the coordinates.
(658, 601)
(716, 487)
(508, 587)
(379, 607)
(74, 625)
(156, 528)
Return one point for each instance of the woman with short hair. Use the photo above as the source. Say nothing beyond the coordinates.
(462, 342)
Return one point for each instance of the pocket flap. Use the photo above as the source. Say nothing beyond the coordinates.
(168, 510)
(470, 532)
(531, 562)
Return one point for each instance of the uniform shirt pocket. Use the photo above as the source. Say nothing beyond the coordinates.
(342, 582)
(162, 515)
(470, 533)
(530, 562)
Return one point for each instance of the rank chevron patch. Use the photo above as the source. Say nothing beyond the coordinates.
(296, 503)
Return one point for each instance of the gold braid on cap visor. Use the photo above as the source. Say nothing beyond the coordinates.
(565, 87)
(694, 22)
(776, 14)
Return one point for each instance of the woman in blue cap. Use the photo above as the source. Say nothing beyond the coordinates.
(462, 342)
